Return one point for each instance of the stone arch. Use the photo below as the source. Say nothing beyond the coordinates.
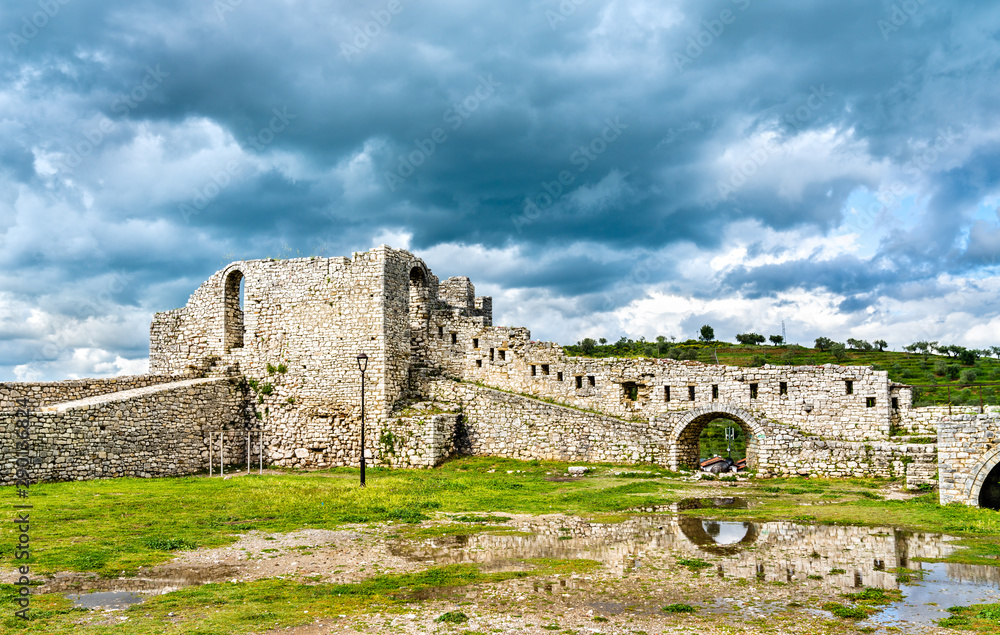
(683, 438)
(985, 472)
(232, 303)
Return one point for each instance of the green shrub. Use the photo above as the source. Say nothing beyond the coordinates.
(453, 617)
(678, 608)
(157, 543)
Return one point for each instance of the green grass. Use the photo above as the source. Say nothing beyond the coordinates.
(250, 606)
(110, 526)
(978, 618)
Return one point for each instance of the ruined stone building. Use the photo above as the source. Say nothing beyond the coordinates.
(272, 346)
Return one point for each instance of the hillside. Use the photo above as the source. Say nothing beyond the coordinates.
(965, 380)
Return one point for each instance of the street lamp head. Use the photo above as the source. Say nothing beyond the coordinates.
(362, 362)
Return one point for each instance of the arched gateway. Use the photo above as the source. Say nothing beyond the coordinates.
(983, 483)
(683, 438)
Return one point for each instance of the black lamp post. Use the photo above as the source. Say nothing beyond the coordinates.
(362, 365)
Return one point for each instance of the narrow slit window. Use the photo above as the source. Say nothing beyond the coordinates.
(590, 378)
(870, 402)
(491, 354)
(666, 393)
(579, 381)
(559, 376)
(502, 353)
(532, 370)
(783, 387)
(849, 385)
(475, 342)
(479, 363)
(715, 392)
(440, 332)
(454, 338)
(753, 391)
(895, 403)
(690, 393)
(545, 369)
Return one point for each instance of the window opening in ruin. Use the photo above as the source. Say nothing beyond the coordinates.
(454, 338)
(559, 376)
(753, 391)
(879, 564)
(545, 369)
(590, 378)
(579, 381)
(869, 402)
(475, 342)
(715, 391)
(479, 363)
(440, 332)
(233, 308)
(989, 495)
(502, 354)
(630, 390)
(722, 437)
(850, 386)
(783, 387)
(532, 370)
(690, 393)
(666, 393)
(491, 354)
(895, 403)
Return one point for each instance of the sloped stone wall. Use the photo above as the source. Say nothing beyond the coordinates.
(153, 431)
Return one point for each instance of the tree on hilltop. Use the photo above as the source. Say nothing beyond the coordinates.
(750, 339)
(707, 333)
(777, 340)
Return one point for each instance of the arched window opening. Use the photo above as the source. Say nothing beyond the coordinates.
(234, 294)
(419, 314)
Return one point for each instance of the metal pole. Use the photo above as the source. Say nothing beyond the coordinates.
(260, 450)
(248, 452)
(222, 453)
(362, 428)
(949, 400)
(209, 453)
(981, 411)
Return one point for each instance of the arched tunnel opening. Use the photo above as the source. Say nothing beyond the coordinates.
(722, 437)
(706, 434)
(989, 495)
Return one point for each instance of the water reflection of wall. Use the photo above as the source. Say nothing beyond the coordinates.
(774, 551)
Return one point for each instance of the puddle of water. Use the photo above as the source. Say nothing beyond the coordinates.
(105, 599)
(729, 502)
(838, 559)
(943, 585)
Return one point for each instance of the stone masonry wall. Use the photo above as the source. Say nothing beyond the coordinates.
(848, 402)
(38, 394)
(498, 423)
(969, 450)
(157, 430)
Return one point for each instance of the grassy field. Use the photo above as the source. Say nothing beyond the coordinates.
(906, 368)
(113, 527)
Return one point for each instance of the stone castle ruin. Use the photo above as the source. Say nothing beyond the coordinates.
(271, 346)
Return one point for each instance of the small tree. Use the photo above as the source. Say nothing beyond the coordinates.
(777, 340)
(839, 351)
(860, 345)
(587, 345)
(707, 333)
(881, 344)
(603, 341)
(996, 351)
(750, 339)
(823, 344)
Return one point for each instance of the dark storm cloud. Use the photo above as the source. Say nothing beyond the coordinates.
(498, 125)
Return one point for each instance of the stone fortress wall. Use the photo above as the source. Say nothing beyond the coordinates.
(440, 378)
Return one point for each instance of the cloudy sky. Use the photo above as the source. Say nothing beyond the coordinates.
(601, 167)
